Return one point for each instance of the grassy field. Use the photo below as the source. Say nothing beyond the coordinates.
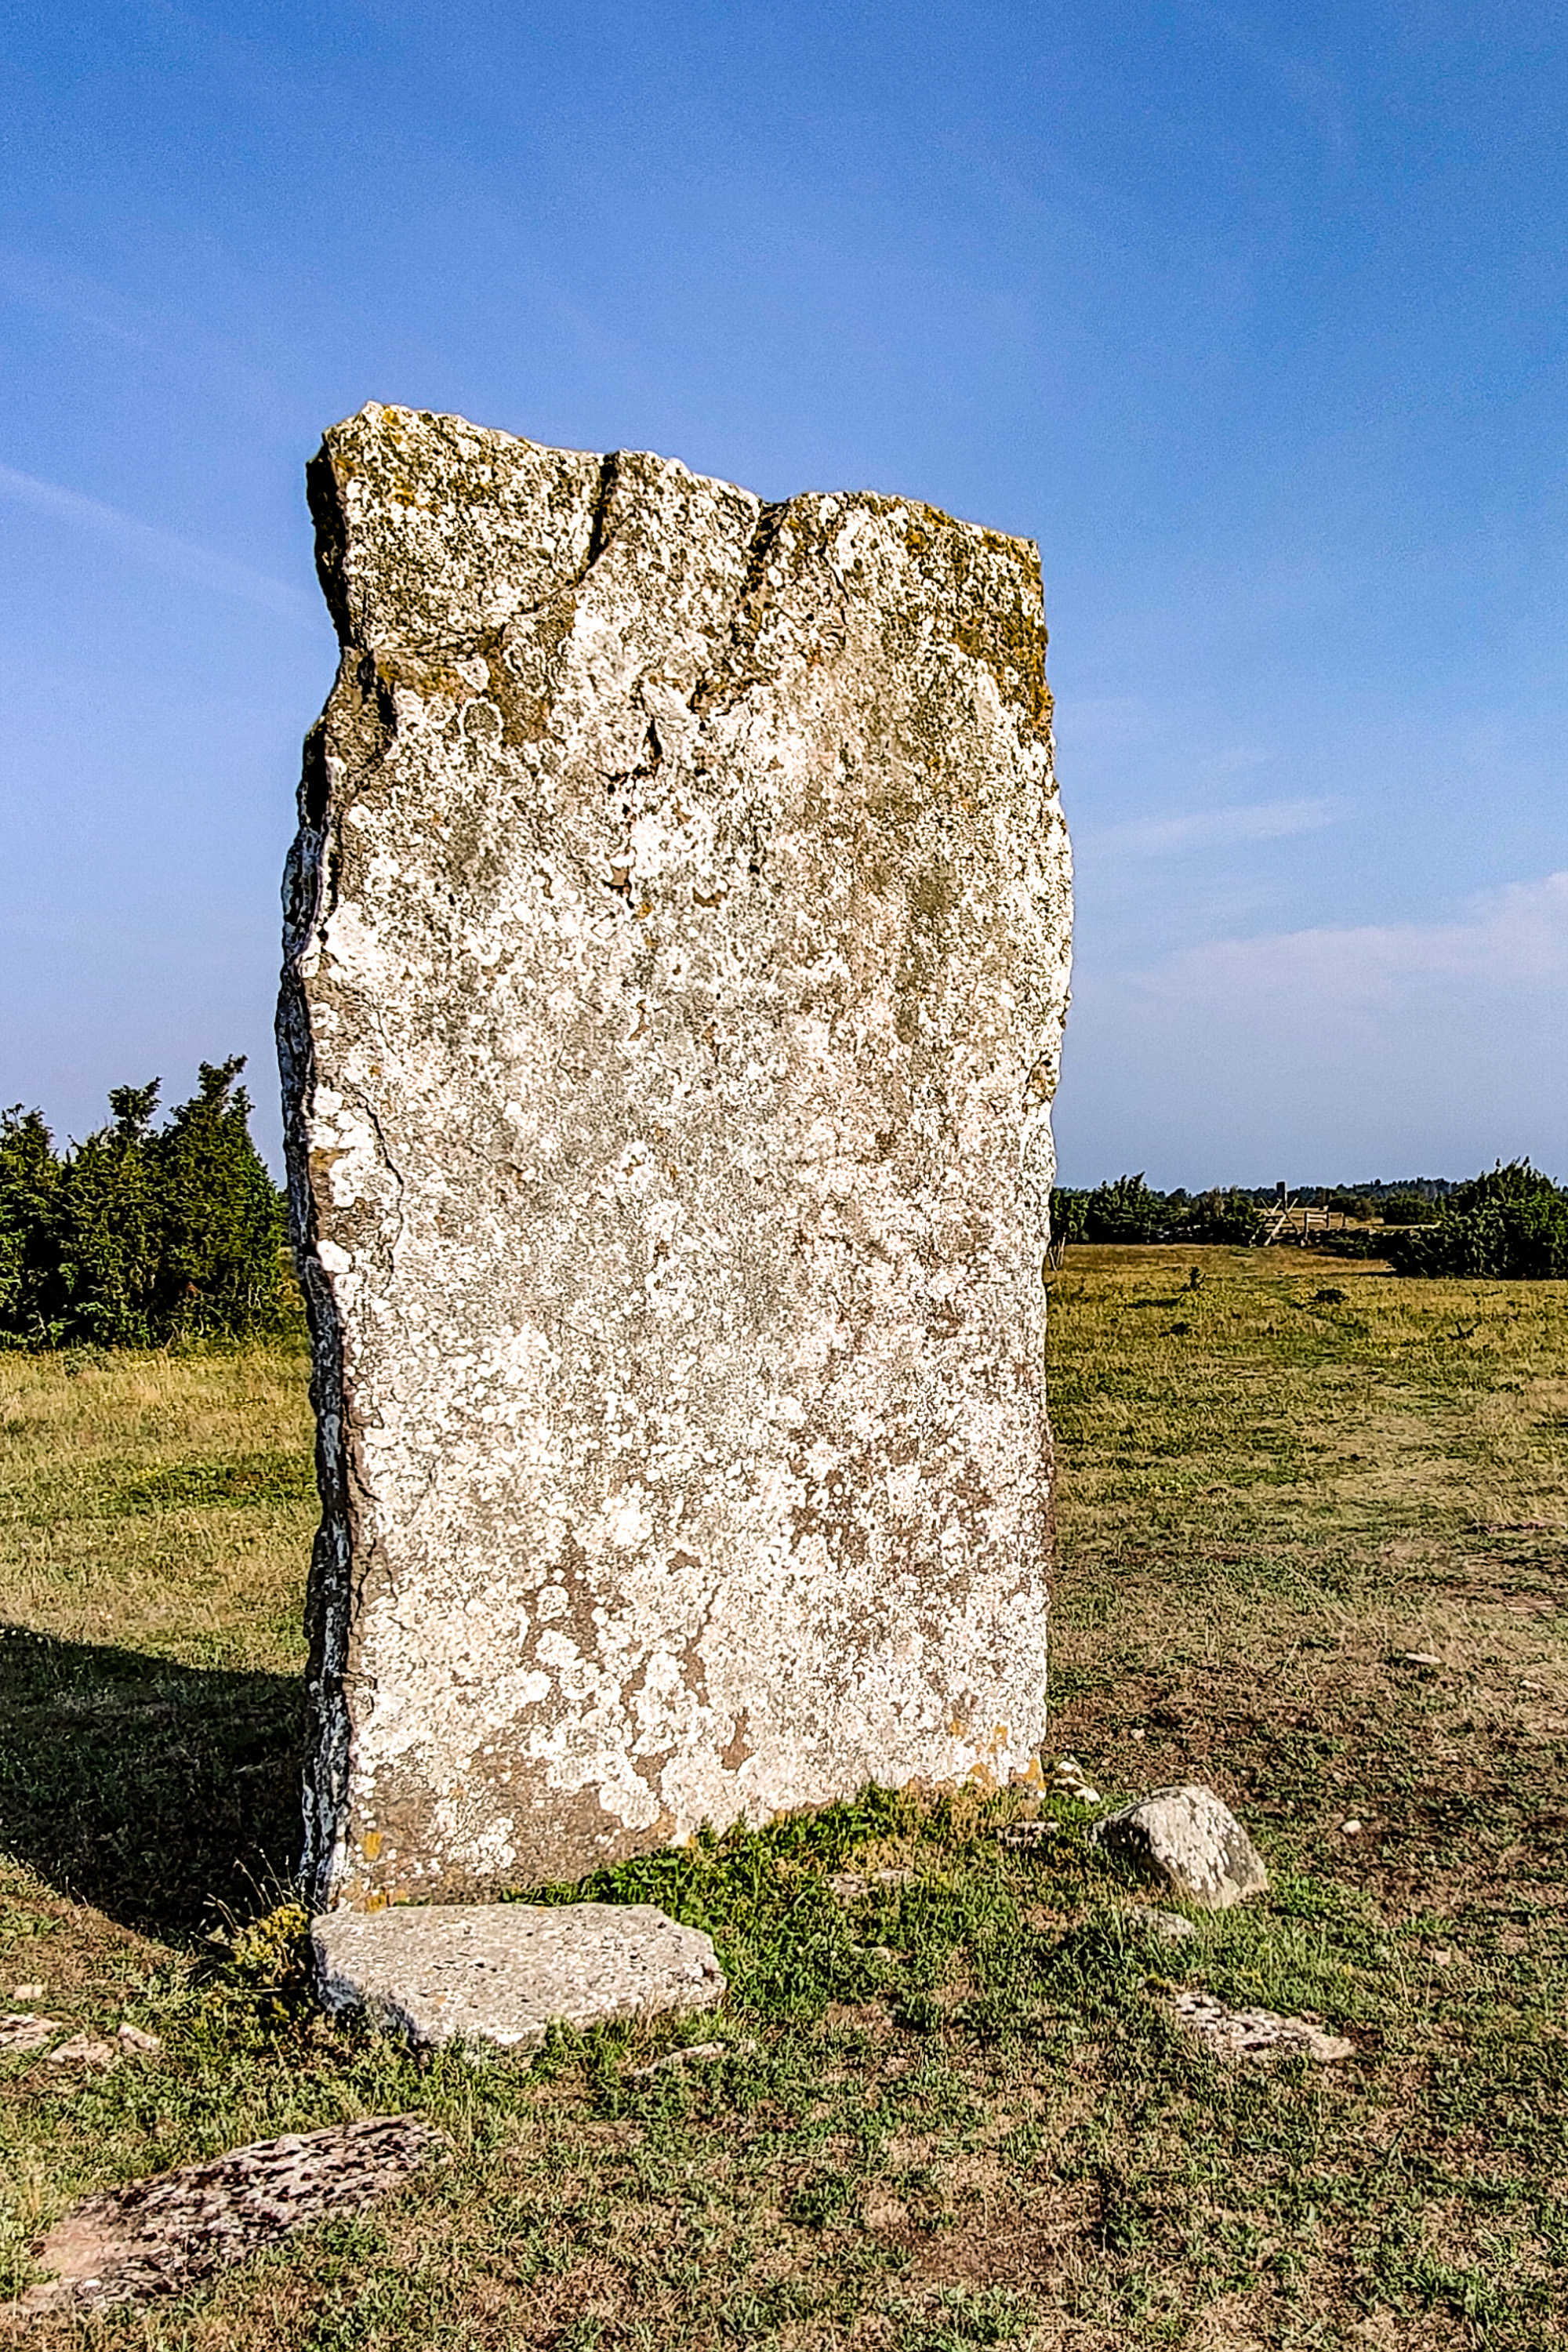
(957, 2111)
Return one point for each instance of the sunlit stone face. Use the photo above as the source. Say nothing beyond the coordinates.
(676, 960)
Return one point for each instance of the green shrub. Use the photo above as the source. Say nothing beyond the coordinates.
(110, 1225)
(1509, 1225)
(223, 1224)
(1130, 1211)
(30, 1291)
(1347, 1242)
(1126, 1211)
(1406, 1209)
(1069, 1209)
(136, 1238)
(1222, 1216)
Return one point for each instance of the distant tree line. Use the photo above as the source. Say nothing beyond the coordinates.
(1129, 1210)
(1509, 1225)
(140, 1235)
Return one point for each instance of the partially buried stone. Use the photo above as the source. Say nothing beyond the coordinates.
(1166, 1927)
(676, 957)
(159, 2236)
(503, 1973)
(1188, 1840)
(1028, 1835)
(21, 2031)
(849, 1885)
(1256, 2032)
(694, 2053)
(84, 2049)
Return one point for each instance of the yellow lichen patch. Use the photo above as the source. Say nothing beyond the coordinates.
(1012, 644)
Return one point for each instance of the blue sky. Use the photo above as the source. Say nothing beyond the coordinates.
(1253, 315)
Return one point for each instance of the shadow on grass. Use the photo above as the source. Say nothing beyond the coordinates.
(160, 1793)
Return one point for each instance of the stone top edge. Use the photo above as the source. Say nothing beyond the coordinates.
(373, 410)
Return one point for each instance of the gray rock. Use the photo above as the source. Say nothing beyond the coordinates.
(1256, 2032)
(676, 955)
(84, 2049)
(1028, 1836)
(159, 2236)
(849, 1885)
(19, 2029)
(503, 1973)
(1188, 1840)
(1169, 1927)
(690, 2053)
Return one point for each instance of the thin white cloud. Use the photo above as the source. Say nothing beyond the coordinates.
(67, 294)
(1210, 828)
(153, 544)
(1516, 936)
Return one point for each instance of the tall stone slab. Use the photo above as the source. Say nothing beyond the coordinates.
(675, 962)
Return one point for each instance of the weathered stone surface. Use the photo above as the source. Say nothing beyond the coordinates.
(1029, 1836)
(850, 1885)
(21, 2031)
(676, 957)
(694, 2053)
(159, 2236)
(85, 2049)
(1256, 2032)
(1189, 1841)
(505, 1972)
(1165, 1927)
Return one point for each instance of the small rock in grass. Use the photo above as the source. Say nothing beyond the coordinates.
(1188, 1840)
(159, 2236)
(1350, 1829)
(28, 1992)
(1420, 1658)
(1026, 1835)
(694, 2053)
(1256, 2032)
(505, 1972)
(1168, 1926)
(151, 2046)
(1070, 1779)
(20, 2031)
(849, 1885)
(84, 2049)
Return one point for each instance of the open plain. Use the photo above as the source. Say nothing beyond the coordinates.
(1313, 1551)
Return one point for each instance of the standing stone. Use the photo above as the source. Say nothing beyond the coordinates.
(675, 962)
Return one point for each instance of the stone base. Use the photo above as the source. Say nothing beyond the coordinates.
(503, 1973)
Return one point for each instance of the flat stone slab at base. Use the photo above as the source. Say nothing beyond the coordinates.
(505, 1972)
(161, 2236)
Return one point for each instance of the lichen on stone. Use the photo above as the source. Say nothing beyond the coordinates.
(677, 959)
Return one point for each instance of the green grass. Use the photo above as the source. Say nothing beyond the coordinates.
(957, 2111)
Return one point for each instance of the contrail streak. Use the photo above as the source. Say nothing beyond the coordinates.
(158, 546)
